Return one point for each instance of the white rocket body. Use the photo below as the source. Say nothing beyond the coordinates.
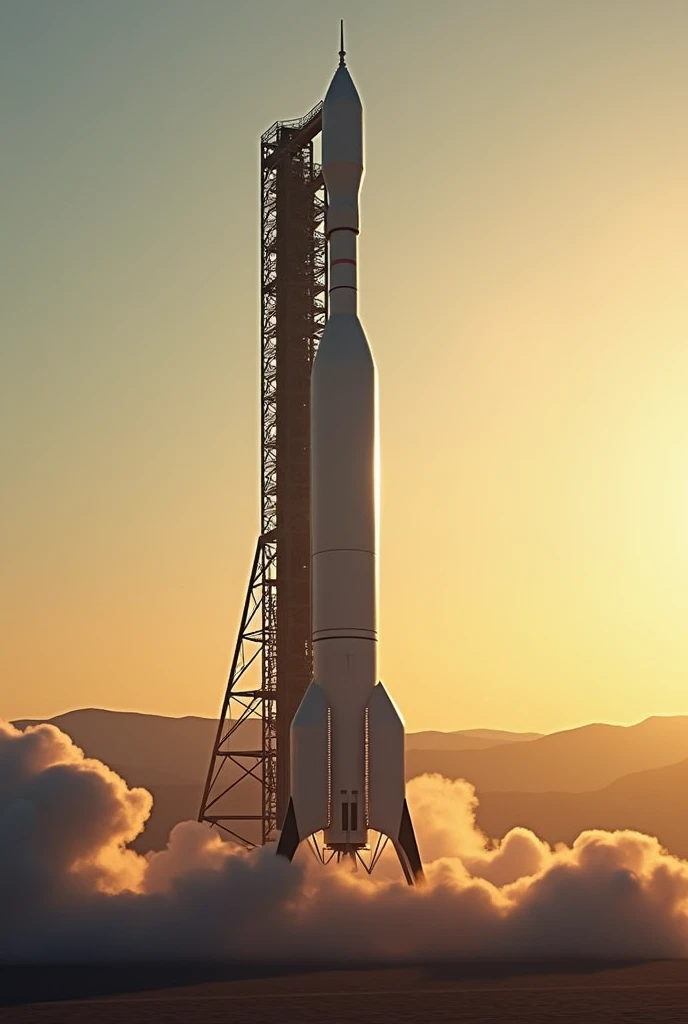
(347, 737)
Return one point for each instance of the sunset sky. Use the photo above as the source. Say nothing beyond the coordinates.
(523, 261)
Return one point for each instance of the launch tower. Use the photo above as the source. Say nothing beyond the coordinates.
(247, 787)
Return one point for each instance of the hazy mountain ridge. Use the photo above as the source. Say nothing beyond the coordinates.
(575, 760)
(466, 739)
(595, 776)
(176, 747)
(180, 747)
(648, 801)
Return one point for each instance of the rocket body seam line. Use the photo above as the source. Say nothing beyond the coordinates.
(344, 636)
(333, 629)
(324, 551)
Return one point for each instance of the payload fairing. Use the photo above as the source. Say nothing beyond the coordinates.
(347, 737)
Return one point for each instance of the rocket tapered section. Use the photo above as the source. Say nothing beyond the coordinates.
(347, 738)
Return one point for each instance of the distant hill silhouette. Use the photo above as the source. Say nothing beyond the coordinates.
(650, 802)
(169, 756)
(180, 747)
(597, 776)
(466, 739)
(572, 761)
(177, 747)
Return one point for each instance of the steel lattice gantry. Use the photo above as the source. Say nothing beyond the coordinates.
(247, 787)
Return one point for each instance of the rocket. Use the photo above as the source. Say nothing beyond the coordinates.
(347, 736)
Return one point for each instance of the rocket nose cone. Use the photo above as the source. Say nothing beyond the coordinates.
(342, 122)
(342, 89)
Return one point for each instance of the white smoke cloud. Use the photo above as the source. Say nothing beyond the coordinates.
(71, 890)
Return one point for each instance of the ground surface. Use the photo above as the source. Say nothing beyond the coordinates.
(651, 993)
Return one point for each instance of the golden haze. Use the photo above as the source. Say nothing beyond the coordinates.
(523, 258)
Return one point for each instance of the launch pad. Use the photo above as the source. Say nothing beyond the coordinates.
(247, 787)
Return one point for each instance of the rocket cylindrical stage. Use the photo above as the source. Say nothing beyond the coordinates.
(347, 737)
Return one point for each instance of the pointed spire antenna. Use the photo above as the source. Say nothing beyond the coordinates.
(342, 51)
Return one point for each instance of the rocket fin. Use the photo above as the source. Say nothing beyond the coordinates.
(388, 810)
(407, 849)
(309, 742)
(386, 785)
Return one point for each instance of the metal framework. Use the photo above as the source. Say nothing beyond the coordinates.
(247, 787)
(368, 858)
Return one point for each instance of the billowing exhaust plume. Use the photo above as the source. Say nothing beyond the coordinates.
(71, 890)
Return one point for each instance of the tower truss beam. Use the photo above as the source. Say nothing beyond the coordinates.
(247, 786)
